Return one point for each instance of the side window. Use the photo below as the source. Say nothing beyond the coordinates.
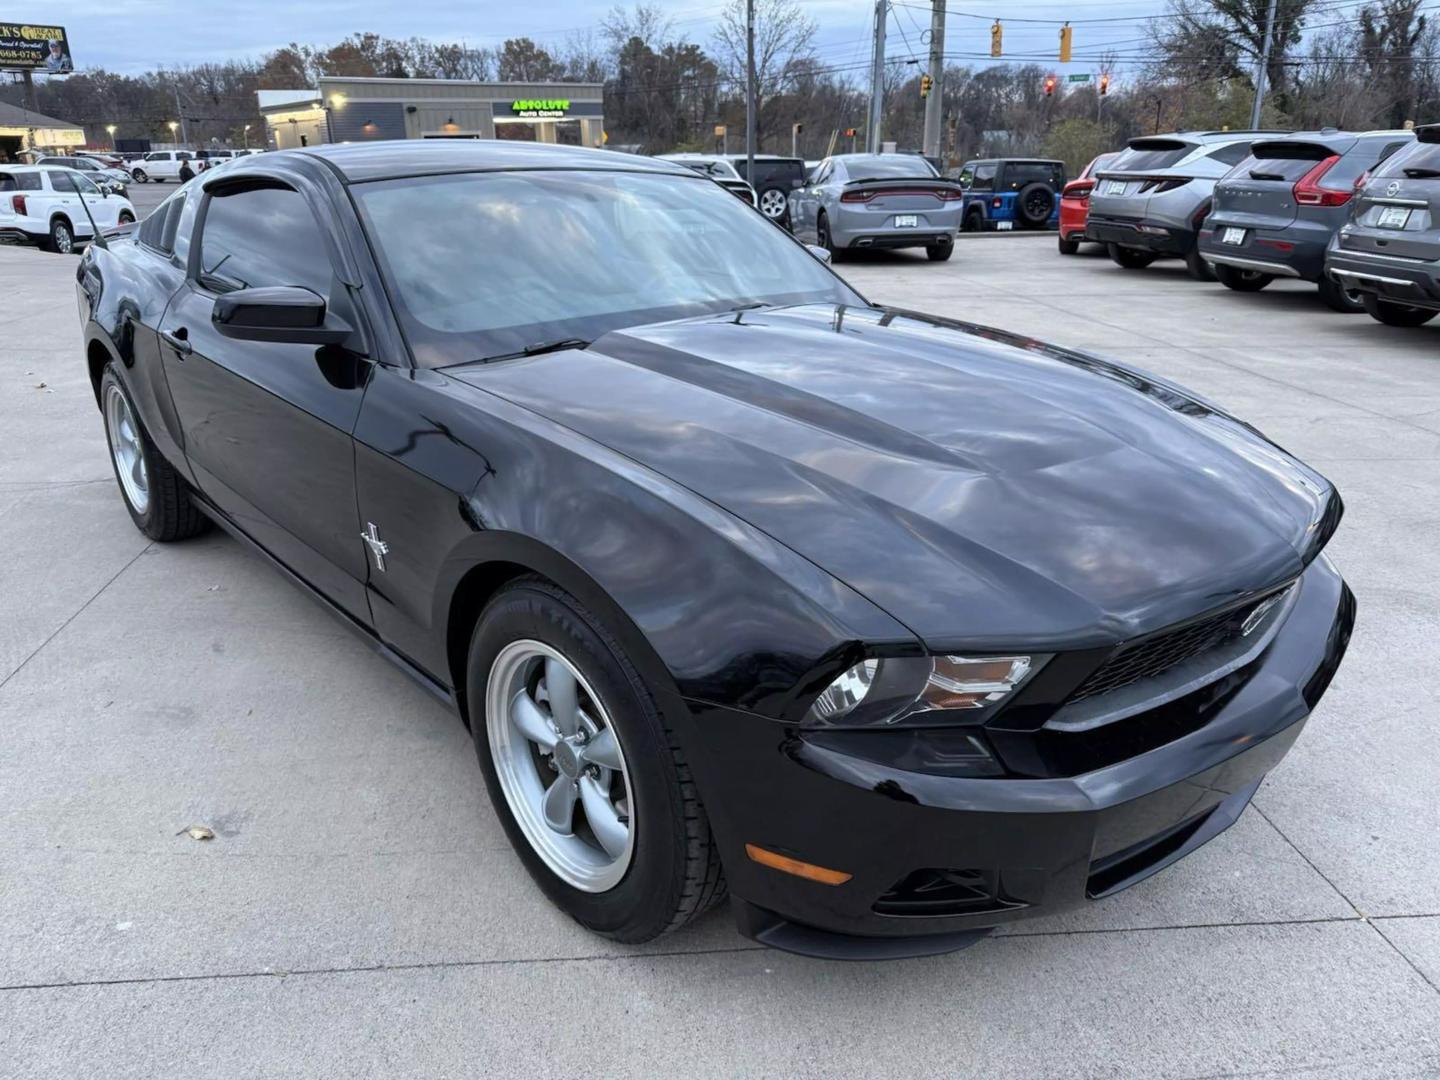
(158, 155)
(172, 221)
(1231, 153)
(984, 175)
(152, 229)
(25, 181)
(262, 236)
(182, 225)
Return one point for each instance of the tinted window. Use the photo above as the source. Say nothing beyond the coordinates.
(159, 155)
(67, 181)
(884, 166)
(984, 175)
(1418, 155)
(1281, 161)
(472, 266)
(263, 236)
(152, 229)
(1101, 162)
(1230, 154)
(1020, 173)
(1146, 154)
(20, 181)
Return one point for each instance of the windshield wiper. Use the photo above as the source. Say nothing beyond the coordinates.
(1419, 172)
(752, 306)
(540, 347)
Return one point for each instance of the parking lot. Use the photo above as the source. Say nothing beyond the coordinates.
(360, 913)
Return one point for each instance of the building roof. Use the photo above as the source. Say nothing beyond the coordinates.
(432, 157)
(275, 99)
(12, 116)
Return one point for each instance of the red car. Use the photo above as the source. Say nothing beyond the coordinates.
(1075, 205)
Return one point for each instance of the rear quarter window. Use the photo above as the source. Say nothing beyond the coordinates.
(1230, 154)
(1144, 155)
(19, 181)
(1020, 173)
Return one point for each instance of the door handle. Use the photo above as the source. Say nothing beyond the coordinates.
(179, 340)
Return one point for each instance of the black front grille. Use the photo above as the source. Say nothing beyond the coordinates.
(1159, 653)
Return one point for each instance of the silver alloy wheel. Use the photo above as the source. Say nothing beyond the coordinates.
(126, 449)
(772, 203)
(555, 751)
(64, 241)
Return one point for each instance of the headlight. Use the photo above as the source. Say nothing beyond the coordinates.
(912, 691)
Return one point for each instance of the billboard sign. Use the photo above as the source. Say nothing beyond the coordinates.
(34, 47)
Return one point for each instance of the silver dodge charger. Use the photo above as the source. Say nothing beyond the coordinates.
(854, 201)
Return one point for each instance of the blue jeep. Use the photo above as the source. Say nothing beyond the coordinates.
(1011, 193)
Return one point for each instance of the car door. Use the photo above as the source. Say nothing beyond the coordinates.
(807, 198)
(104, 210)
(267, 425)
(64, 198)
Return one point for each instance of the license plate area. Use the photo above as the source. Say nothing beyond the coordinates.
(1232, 235)
(1004, 226)
(1114, 187)
(1393, 217)
(906, 221)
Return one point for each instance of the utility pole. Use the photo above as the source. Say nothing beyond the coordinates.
(935, 103)
(184, 131)
(877, 79)
(750, 91)
(1263, 67)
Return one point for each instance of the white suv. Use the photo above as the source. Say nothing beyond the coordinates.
(160, 165)
(38, 205)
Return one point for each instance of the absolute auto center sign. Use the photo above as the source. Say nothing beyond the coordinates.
(539, 108)
(34, 47)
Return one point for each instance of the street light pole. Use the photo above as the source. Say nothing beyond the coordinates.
(1262, 68)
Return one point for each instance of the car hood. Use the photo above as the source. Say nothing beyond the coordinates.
(987, 490)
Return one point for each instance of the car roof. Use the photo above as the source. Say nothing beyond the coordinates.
(359, 162)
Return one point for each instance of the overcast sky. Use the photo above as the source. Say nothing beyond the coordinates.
(136, 35)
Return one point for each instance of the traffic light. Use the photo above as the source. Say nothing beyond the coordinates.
(925, 83)
(1104, 82)
(995, 35)
(1049, 85)
(1065, 35)
(849, 133)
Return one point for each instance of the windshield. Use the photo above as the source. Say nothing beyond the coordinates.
(885, 166)
(1145, 154)
(490, 264)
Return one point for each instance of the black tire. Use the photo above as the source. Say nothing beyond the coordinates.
(1197, 267)
(1233, 277)
(1338, 298)
(1034, 205)
(973, 221)
(61, 238)
(1068, 247)
(138, 175)
(1393, 314)
(939, 252)
(169, 515)
(675, 872)
(824, 239)
(1130, 258)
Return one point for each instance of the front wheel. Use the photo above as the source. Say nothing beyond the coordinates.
(1241, 280)
(155, 494)
(1393, 314)
(1129, 258)
(1339, 298)
(588, 781)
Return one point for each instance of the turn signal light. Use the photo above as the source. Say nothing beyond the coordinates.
(787, 865)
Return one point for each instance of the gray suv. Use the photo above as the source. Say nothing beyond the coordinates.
(1275, 212)
(1389, 250)
(1152, 199)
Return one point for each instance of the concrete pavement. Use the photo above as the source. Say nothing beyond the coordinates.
(359, 912)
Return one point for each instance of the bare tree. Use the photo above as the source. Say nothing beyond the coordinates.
(784, 36)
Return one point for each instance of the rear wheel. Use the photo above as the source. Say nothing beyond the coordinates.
(1340, 298)
(1197, 267)
(61, 238)
(825, 240)
(1241, 280)
(139, 176)
(939, 252)
(155, 494)
(1393, 314)
(127, 218)
(1130, 258)
(974, 220)
(1068, 247)
(587, 779)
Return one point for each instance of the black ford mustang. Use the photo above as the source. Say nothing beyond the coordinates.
(894, 627)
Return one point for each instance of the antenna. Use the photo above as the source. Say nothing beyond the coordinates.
(95, 237)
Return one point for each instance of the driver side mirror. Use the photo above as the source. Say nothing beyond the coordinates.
(279, 313)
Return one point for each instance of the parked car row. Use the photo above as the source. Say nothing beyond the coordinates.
(1356, 213)
(162, 165)
(42, 204)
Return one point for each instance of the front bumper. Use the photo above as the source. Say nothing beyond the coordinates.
(1402, 280)
(1010, 848)
(1161, 239)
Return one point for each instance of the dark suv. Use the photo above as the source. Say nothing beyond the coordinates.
(1389, 250)
(1011, 193)
(775, 177)
(1275, 212)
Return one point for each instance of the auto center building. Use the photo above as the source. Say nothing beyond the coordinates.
(343, 109)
